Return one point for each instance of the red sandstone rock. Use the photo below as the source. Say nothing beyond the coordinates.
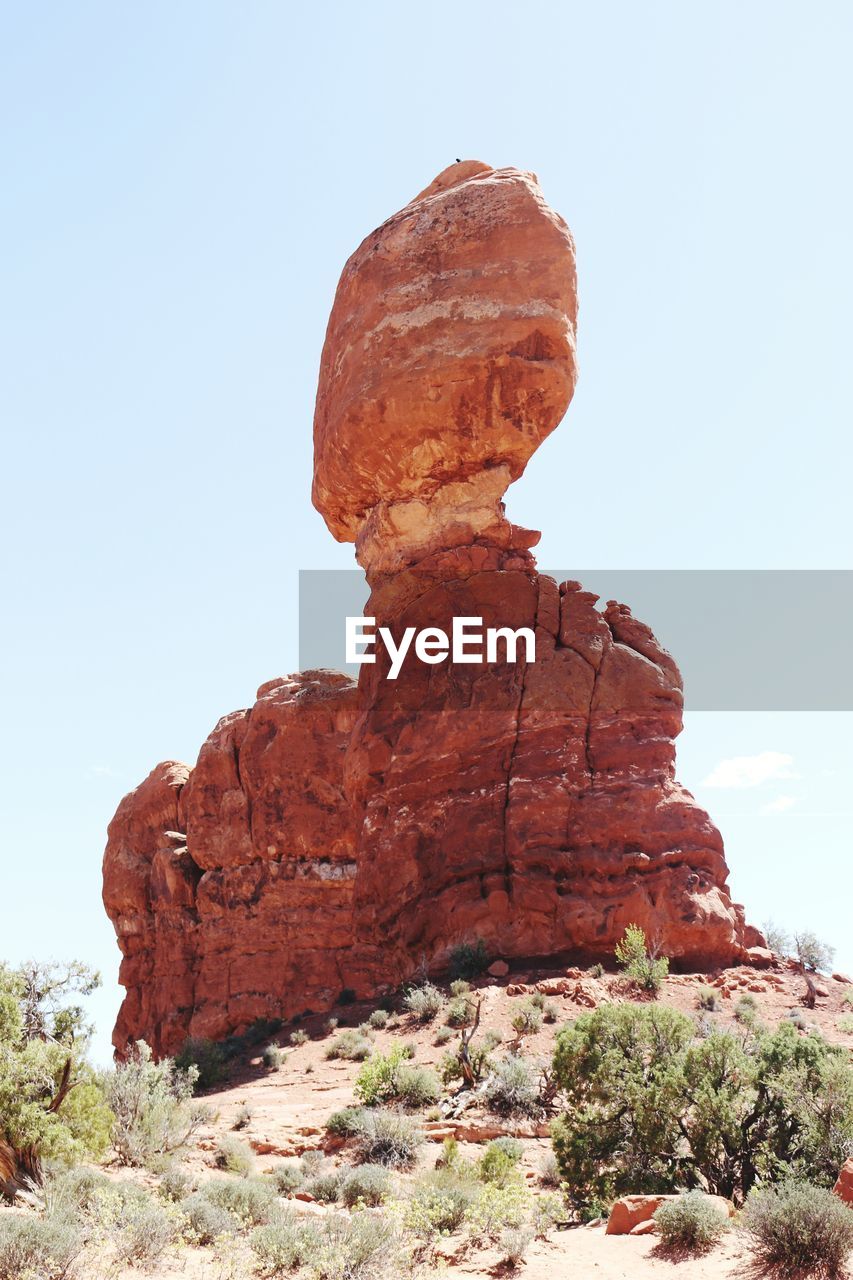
(334, 836)
(844, 1185)
(498, 969)
(449, 357)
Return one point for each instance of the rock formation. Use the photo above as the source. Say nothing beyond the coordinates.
(334, 835)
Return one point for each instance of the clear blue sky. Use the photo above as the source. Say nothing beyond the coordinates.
(181, 186)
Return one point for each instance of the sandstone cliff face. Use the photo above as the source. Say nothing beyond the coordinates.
(334, 836)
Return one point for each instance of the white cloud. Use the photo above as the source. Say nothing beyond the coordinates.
(780, 805)
(750, 771)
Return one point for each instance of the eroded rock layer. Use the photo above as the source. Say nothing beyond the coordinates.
(336, 836)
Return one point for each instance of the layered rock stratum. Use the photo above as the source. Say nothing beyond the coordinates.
(339, 835)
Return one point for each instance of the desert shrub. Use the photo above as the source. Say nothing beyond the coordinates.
(243, 1118)
(233, 1156)
(369, 1184)
(469, 959)
(345, 1123)
(324, 1186)
(423, 1002)
(460, 1012)
(527, 1019)
(312, 1162)
(548, 1210)
(208, 1058)
(389, 1078)
(596, 971)
(646, 969)
(690, 1223)
(140, 1229)
(491, 1038)
(549, 1170)
(707, 998)
(273, 1056)
(798, 1019)
(845, 1024)
(651, 1107)
(205, 1221)
(350, 1044)
(299, 1037)
(550, 1012)
(151, 1102)
(451, 1066)
(812, 952)
(514, 1243)
(389, 1138)
(287, 1177)
(283, 1244)
(331, 1024)
(847, 998)
(499, 1161)
(459, 987)
(499, 1208)
(443, 1034)
(796, 1228)
(439, 1204)
(176, 1183)
(42, 1247)
(379, 1019)
(250, 1200)
(511, 1088)
(72, 1192)
(746, 1009)
(417, 1087)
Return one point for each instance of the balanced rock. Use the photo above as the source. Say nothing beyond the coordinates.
(449, 357)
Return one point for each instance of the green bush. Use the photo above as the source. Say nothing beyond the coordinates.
(379, 1018)
(389, 1078)
(287, 1178)
(324, 1186)
(205, 1221)
(439, 1204)
(498, 1209)
(273, 1056)
(707, 998)
(511, 1088)
(208, 1058)
(469, 959)
(250, 1200)
(443, 1034)
(350, 1044)
(345, 1123)
(651, 1107)
(549, 1170)
(176, 1183)
(234, 1156)
(845, 1024)
(746, 1009)
(460, 1012)
(337, 1248)
(369, 1184)
(45, 1248)
(284, 1244)
(459, 987)
(72, 1192)
(527, 1019)
(423, 1002)
(798, 1229)
(151, 1102)
(140, 1229)
(389, 1138)
(298, 1037)
(691, 1223)
(499, 1161)
(596, 971)
(642, 966)
(43, 1040)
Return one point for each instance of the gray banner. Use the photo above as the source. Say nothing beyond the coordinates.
(745, 640)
